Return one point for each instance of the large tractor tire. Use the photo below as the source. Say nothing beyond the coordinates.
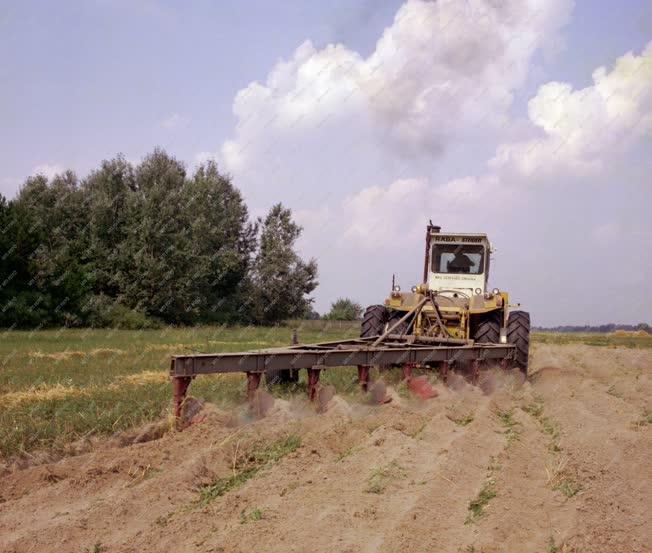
(394, 317)
(373, 321)
(488, 330)
(518, 333)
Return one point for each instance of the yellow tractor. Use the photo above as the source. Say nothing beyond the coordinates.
(452, 304)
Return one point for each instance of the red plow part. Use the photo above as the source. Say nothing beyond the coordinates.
(421, 388)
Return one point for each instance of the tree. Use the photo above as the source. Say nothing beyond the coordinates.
(344, 309)
(157, 243)
(49, 220)
(109, 193)
(222, 244)
(281, 280)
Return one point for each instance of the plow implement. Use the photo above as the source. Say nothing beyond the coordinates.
(385, 351)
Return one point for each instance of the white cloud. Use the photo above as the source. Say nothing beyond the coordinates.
(443, 73)
(174, 121)
(581, 128)
(49, 170)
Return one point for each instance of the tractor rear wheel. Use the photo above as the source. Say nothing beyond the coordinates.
(518, 333)
(488, 330)
(373, 321)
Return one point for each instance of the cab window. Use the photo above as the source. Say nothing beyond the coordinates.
(457, 259)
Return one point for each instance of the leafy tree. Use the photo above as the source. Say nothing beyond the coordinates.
(222, 242)
(157, 242)
(110, 195)
(49, 221)
(344, 309)
(281, 280)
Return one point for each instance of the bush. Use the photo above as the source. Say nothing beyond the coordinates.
(103, 312)
(344, 309)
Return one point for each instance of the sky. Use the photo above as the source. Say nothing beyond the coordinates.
(530, 120)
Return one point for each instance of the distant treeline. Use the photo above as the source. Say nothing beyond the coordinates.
(136, 246)
(606, 328)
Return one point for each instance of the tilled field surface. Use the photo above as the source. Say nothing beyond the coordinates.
(559, 463)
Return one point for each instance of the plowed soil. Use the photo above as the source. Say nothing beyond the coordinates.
(558, 463)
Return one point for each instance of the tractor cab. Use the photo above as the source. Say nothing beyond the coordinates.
(457, 263)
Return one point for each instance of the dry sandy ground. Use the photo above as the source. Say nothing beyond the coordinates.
(398, 477)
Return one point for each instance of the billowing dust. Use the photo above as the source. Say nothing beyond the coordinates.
(556, 463)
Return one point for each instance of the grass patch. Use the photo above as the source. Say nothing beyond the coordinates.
(58, 386)
(464, 420)
(568, 487)
(381, 477)
(346, 453)
(605, 340)
(548, 426)
(477, 506)
(506, 418)
(253, 516)
(645, 419)
(248, 464)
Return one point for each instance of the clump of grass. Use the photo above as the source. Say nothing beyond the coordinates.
(559, 480)
(463, 420)
(506, 418)
(344, 454)
(535, 409)
(568, 487)
(552, 547)
(645, 419)
(248, 465)
(477, 506)
(548, 426)
(381, 477)
(253, 516)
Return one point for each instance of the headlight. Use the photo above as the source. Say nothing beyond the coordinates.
(397, 288)
(414, 289)
(495, 291)
(478, 291)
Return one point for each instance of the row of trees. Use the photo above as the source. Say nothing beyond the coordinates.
(132, 245)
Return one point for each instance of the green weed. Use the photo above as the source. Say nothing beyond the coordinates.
(251, 462)
(506, 418)
(464, 420)
(477, 505)
(253, 516)
(381, 477)
(568, 487)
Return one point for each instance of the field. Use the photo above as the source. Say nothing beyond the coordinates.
(559, 463)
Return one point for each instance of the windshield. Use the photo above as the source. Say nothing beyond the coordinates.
(457, 259)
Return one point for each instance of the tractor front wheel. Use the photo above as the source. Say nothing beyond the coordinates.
(373, 321)
(518, 333)
(488, 330)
